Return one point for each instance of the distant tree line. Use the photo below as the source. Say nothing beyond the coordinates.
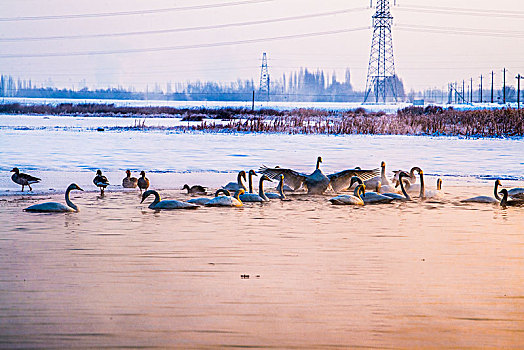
(302, 85)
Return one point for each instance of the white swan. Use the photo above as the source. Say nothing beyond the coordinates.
(54, 207)
(381, 181)
(234, 186)
(355, 199)
(317, 182)
(371, 197)
(511, 202)
(250, 175)
(486, 199)
(261, 196)
(205, 200)
(280, 189)
(166, 204)
(435, 194)
(412, 178)
(397, 196)
(227, 200)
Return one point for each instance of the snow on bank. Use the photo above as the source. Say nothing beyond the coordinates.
(335, 106)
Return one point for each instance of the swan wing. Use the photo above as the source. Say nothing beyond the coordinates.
(173, 204)
(342, 179)
(48, 207)
(346, 200)
(292, 178)
(517, 193)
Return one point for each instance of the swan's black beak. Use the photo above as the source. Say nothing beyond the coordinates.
(78, 188)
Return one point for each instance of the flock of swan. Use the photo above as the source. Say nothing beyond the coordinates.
(400, 188)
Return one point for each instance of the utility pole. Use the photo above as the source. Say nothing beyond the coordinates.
(471, 91)
(381, 78)
(492, 74)
(463, 91)
(480, 88)
(504, 88)
(518, 91)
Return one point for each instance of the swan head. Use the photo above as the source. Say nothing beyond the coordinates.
(319, 160)
(186, 187)
(252, 172)
(146, 194)
(355, 179)
(503, 192)
(15, 170)
(383, 164)
(99, 172)
(74, 186)
(417, 169)
(128, 172)
(221, 190)
(498, 183)
(143, 173)
(266, 178)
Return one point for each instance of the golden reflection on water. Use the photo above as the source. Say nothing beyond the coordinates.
(405, 275)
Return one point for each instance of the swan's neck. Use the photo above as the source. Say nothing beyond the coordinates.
(504, 200)
(357, 191)
(318, 164)
(237, 196)
(281, 189)
(497, 190)
(422, 190)
(261, 190)
(68, 201)
(383, 174)
(156, 201)
(250, 183)
(239, 181)
(408, 197)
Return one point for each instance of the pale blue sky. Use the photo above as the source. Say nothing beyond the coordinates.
(426, 55)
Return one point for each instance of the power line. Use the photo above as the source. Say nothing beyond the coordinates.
(131, 13)
(187, 29)
(461, 11)
(185, 47)
(461, 31)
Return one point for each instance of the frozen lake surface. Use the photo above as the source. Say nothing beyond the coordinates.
(61, 150)
(421, 274)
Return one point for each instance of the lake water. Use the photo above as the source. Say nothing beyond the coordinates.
(422, 274)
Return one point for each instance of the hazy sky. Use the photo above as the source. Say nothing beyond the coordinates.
(435, 42)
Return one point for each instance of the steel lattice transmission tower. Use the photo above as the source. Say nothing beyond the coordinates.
(264, 78)
(381, 80)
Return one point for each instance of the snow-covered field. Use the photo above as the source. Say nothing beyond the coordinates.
(340, 106)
